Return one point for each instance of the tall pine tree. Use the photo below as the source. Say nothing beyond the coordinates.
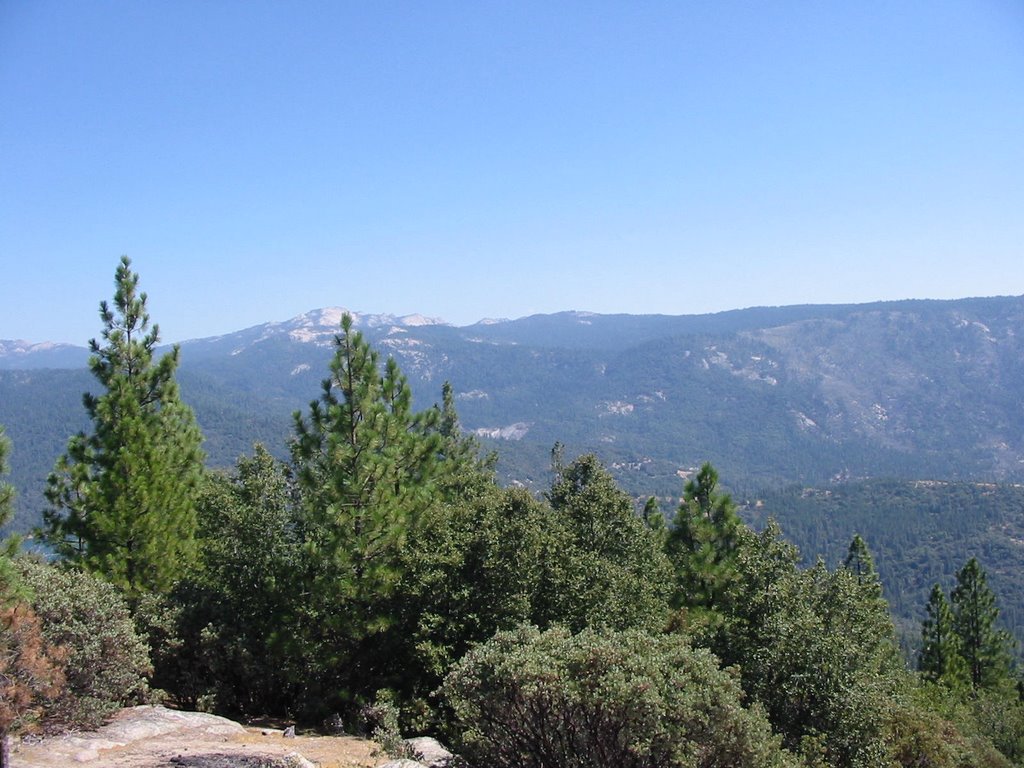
(8, 578)
(367, 471)
(941, 659)
(702, 542)
(860, 563)
(123, 497)
(986, 649)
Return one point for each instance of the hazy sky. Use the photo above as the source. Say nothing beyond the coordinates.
(498, 159)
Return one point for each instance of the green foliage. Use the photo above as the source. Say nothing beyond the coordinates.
(620, 576)
(6, 491)
(985, 648)
(485, 563)
(860, 563)
(603, 699)
(941, 659)
(106, 662)
(9, 588)
(918, 736)
(815, 647)
(379, 720)
(702, 545)
(493, 559)
(365, 464)
(123, 497)
(220, 638)
(367, 472)
(921, 534)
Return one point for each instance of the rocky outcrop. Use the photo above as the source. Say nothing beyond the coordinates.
(139, 724)
(430, 753)
(157, 737)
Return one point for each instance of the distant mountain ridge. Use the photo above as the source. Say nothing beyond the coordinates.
(17, 353)
(772, 395)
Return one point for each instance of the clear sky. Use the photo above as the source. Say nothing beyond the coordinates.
(497, 159)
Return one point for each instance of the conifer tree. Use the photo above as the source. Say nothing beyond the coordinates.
(702, 541)
(123, 497)
(860, 563)
(465, 472)
(8, 578)
(366, 467)
(654, 519)
(6, 491)
(986, 649)
(941, 659)
(622, 575)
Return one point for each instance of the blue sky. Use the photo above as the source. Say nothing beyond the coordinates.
(497, 159)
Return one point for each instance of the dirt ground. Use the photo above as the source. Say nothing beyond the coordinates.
(155, 737)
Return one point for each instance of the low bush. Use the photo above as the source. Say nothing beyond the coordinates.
(603, 699)
(105, 661)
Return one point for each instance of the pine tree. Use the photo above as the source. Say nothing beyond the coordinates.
(6, 491)
(654, 519)
(860, 563)
(986, 649)
(8, 578)
(367, 469)
(123, 497)
(702, 541)
(464, 471)
(941, 659)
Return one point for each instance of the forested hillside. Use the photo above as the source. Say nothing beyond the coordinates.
(919, 531)
(914, 390)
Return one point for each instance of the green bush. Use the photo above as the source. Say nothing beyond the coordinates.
(603, 699)
(106, 661)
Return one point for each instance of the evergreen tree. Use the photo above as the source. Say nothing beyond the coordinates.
(6, 491)
(623, 574)
(8, 547)
(655, 520)
(123, 497)
(986, 649)
(465, 473)
(941, 660)
(702, 542)
(367, 472)
(860, 563)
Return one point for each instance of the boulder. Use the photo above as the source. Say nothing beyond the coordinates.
(430, 752)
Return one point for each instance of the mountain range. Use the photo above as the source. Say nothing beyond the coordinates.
(804, 394)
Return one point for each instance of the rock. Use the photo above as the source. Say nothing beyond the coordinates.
(289, 732)
(430, 752)
(295, 760)
(401, 764)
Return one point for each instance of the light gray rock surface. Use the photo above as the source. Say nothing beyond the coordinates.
(156, 737)
(430, 752)
(139, 724)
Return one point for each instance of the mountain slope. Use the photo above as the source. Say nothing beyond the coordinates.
(916, 389)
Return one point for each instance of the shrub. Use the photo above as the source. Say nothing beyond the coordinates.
(603, 699)
(106, 661)
(30, 671)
